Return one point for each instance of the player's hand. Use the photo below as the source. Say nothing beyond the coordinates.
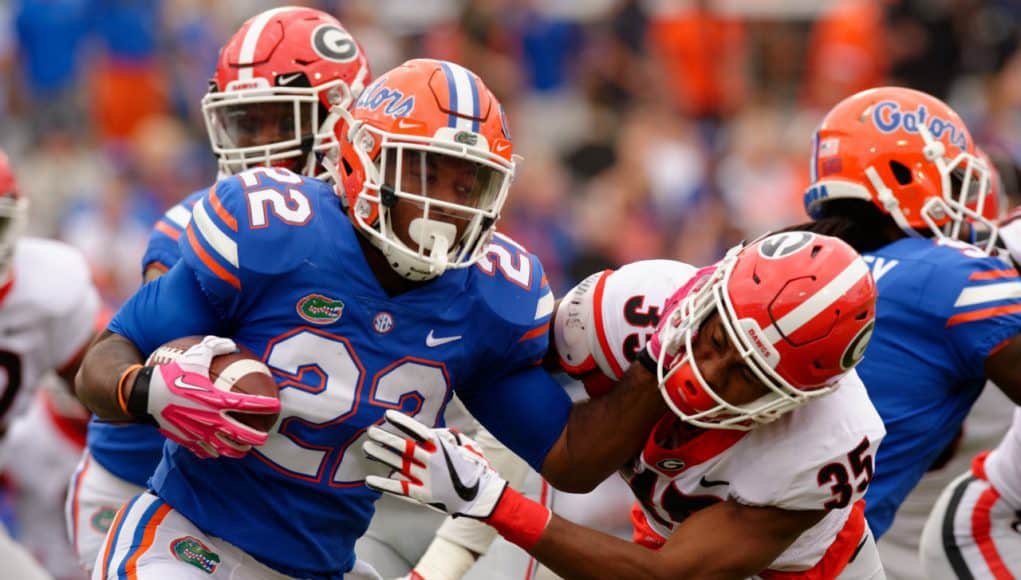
(192, 412)
(1010, 233)
(441, 468)
(668, 339)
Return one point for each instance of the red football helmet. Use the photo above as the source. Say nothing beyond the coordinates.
(909, 154)
(799, 307)
(420, 116)
(13, 215)
(276, 80)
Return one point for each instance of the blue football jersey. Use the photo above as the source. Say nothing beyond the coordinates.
(128, 450)
(942, 309)
(271, 259)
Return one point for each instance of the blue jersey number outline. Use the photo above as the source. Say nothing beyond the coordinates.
(322, 383)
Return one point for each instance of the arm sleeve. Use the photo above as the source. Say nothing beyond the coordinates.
(169, 307)
(526, 410)
(980, 299)
(163, 249)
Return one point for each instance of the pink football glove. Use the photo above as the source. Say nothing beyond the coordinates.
(191, 411)
(671, 320)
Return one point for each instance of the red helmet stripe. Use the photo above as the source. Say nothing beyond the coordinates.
(818, 302)
(251, 41)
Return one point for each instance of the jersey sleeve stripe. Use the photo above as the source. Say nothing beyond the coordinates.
(214, 236)
(210, 263)
(983, 314)
(993, 274)
(597, 312)
(989, 293)
(179, 215)
(220, 211)
(544, 307)
(535, 332)
(167, 230)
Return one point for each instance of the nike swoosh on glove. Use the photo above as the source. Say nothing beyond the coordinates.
(191, 411)
(441, 468)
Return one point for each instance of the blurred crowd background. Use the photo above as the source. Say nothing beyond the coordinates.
(649, 128)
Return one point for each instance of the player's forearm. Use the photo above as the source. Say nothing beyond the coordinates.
(97, 380)
(603, 434)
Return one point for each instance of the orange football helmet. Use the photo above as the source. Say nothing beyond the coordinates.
(800, 309)
(410, 123)
(909, 154)
(276, 80)
(13, 215)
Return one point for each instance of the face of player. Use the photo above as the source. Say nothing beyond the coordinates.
(722, 366)
(425, 177)
(263, 124)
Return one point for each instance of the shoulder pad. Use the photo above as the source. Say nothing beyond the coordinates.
(261, 221)
(514, 284)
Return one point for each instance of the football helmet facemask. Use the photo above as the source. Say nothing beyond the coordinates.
(799, 307)
(425, 123)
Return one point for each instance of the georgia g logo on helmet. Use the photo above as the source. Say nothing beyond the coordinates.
(334, 43)
(782, 245)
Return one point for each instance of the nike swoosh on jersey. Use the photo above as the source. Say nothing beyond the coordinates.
(711, 483)
(467, 493)
(433, 341)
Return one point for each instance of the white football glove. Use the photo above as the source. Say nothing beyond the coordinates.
(440, 468)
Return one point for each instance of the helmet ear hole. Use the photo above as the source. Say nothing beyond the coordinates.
(901, 173)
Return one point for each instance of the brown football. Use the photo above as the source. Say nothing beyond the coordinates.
(240, 372)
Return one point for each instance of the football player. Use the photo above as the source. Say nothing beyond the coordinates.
(44, 326)
(986, 423)
(387, 289)
(771, 436)
(268, 105)
(896, 173)
(974, 530)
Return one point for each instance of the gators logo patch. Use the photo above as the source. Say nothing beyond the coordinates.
(102, 518)
(191, 550)
(319, 309)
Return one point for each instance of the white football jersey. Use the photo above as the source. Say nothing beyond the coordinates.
(818, 456)
(1003, 465)
(46, 318)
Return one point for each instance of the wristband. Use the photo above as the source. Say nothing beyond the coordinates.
(519, 520)
(122, 401)
(138, 400)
